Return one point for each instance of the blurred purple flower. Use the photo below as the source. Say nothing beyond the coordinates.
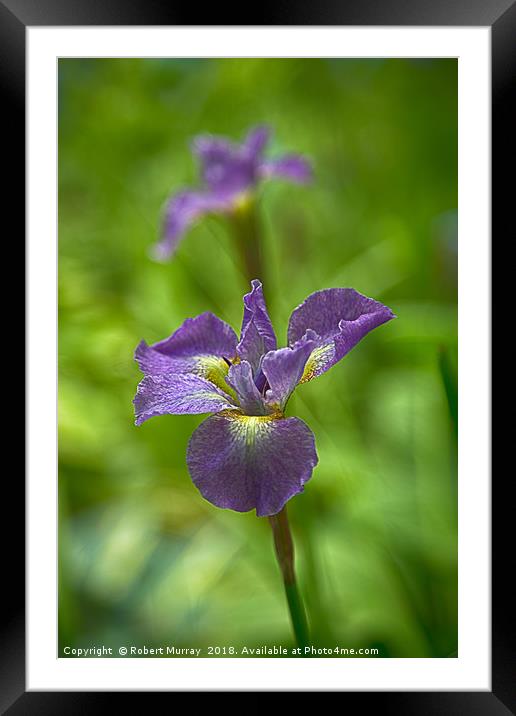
(248, 455)
(230, 173)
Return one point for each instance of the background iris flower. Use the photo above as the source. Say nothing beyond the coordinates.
(230, 173)
(248, 455)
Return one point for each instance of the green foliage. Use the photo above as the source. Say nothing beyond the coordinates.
(143, 558)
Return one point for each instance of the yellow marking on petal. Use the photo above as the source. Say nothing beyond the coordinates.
(251, 419)
(242, 202)
(204, 394)
(215, 370)
(246, 427)
(318, 358)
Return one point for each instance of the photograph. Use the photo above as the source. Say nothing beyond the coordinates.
(257, 357)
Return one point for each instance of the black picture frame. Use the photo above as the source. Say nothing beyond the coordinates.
(500, 15)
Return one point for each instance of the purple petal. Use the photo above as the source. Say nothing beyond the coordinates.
(202, 336)
(257, 334)
(201, 346)
(256, 141)
(341, 317)
(152, 362)
(207, 145)
(174, 394)
(284, 369)
(181, 211)
(205, 334)
(251, 401)
(241, 462)
(290, 166)
(251, 348)
(227, 169)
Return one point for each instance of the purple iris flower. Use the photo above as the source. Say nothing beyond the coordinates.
(248, 455)
(230, 173)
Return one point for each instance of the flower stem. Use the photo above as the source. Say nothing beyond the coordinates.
(247, 236)
(285, 553)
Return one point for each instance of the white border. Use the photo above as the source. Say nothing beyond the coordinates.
(471, 670)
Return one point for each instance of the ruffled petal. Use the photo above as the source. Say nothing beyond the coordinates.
(176, 394)
(340, 317)
(257, 335)
(202, 336)
(284, 369)
(240, 377)
(251, 348)
(250, 462)
(291, 166)
(200, 346)
(205, 334)
(180, 212)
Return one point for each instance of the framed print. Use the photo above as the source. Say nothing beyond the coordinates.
(258, 366)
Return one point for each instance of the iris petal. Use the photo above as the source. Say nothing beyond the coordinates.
(291, 166)
(199, 345)
(180, 213)
(257, 335)
(284, 369)
(255, 310)
(340, 317)
(244, 462)
(177, 394)
(227, 169)
(256, 141)
(250, 399)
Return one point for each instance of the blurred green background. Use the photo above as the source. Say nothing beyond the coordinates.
(144, 560)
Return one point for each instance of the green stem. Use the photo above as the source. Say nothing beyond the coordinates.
(285, 553)
(247, 237)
